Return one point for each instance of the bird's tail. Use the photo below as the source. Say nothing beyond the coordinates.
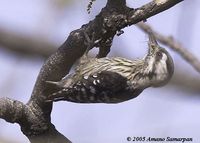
(52, 83)
(58, 96)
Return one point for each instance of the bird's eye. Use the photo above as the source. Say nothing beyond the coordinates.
(159, 54)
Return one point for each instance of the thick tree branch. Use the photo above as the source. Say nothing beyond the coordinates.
(150, 9)
(173, 44)
(14, 107)
(35, 118)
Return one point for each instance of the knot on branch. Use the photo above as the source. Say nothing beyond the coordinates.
(11, 110)
(115, 21)
(34, 121)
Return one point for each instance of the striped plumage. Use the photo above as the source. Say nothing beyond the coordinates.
(114, 80)
(122, 66)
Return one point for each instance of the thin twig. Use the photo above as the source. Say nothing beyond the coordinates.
(174, 45)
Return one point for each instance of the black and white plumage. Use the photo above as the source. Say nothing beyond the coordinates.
(114, 80)
(98, 88)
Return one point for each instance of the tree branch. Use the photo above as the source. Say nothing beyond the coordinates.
(25, 45)
(34, 117)
(15, 110)
(150, 9)
(174, 45)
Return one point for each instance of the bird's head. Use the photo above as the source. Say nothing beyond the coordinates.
(159, 64)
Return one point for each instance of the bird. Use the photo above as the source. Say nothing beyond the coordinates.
(115, 79)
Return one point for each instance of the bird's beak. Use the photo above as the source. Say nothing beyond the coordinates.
(152, 39)
(153, 45)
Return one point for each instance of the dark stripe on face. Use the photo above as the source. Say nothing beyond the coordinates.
(159, 55)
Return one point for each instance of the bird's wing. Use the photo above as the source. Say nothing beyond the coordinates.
(106, 80)
(102, 87)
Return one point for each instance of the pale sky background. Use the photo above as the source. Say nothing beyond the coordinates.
(163, 112)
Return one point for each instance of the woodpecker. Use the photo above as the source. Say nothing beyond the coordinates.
(116, 79)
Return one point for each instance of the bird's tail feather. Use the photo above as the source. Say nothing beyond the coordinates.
(57, 96)
(52, 83)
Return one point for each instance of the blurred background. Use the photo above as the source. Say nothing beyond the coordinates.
(31, 30)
